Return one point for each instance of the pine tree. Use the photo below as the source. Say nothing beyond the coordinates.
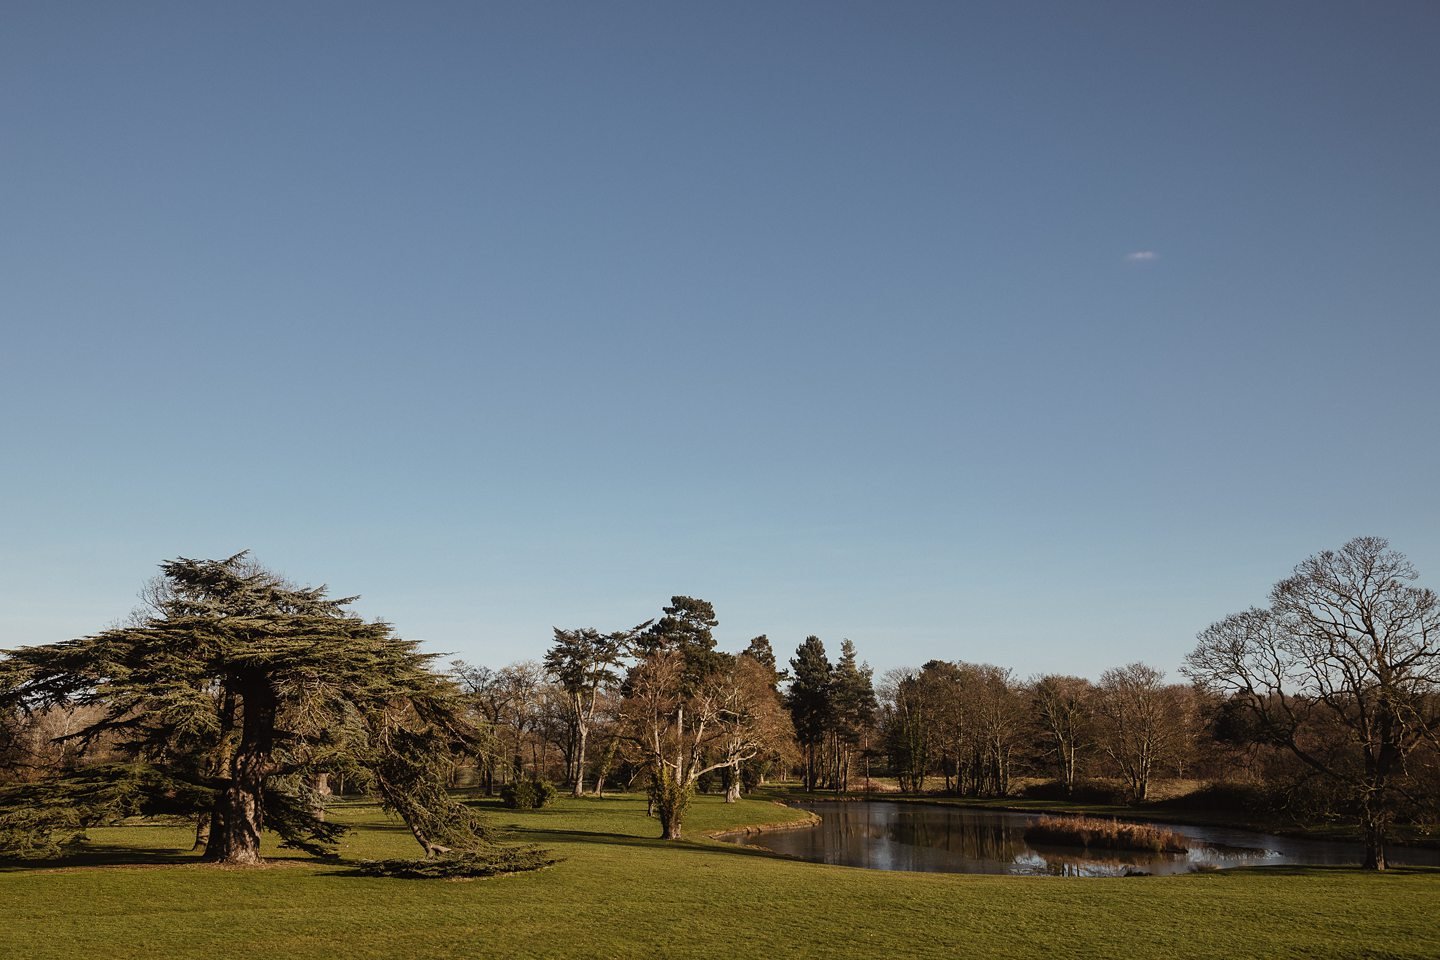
(761, 652)
(763, 655)
(852, 699)
(584, 662)
(809, 702)
(685, 630)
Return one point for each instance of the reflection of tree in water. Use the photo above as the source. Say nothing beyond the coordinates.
(856, 824)
(1074, 862)
(1001, 840)
(974, 839)
(887, 836)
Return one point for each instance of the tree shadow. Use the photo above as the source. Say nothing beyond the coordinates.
(101, 855)
(541, 835)
(1311, 870)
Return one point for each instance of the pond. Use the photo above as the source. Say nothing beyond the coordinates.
(944, 839)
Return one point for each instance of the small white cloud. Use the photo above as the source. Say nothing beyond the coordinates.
(1142, 256)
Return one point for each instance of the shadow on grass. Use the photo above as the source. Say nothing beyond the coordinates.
(1322, 869)
(101, 855)
(531, 827)
(543, 835)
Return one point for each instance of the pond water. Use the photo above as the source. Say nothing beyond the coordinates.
(942, 839)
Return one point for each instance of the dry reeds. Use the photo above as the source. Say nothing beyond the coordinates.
(1095, 833)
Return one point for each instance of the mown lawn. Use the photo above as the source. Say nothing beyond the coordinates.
(621, 893)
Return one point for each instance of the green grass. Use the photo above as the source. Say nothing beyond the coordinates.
(621, 893)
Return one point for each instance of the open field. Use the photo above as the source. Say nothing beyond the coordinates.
(622, 893)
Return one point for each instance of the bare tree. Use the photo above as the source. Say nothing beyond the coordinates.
(484, 693)
(966, 719)
(906, 723)
(750, 717)
(1140, 722)
(523, 684)
(997, 713)
(1343, 669)
(1062, 706)
(684, 728)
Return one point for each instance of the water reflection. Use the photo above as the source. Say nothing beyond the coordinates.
(937, 839)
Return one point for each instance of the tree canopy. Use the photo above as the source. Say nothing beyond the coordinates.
(1343, 670)
(228, 701)
(809, 701)
(585, 662)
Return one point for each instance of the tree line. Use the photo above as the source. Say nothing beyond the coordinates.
(616, 708)
(243, 701)
(1326, 705)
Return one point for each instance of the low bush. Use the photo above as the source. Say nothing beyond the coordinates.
(1097, 834)
(1084, 791)
(527, 794)
(1243, 799)
(487, 863)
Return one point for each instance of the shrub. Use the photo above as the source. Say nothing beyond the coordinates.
(1084, 791)
(527, 794)
(488, 863)
(1095, 833)
(753, 773)
(39, 832)
(1227, 798)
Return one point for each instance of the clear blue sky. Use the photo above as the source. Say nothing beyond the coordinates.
(1038, 334)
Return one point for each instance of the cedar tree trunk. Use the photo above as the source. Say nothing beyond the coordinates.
(240, 807)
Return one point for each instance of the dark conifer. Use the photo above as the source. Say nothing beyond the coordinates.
(809, 702)
(231, 700)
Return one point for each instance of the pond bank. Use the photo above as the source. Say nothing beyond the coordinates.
(1149, 814)
(811, 819)
(971, 839)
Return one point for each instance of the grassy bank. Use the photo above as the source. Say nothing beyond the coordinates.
(622, 893)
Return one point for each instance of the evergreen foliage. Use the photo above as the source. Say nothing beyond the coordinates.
(809, 702)
(489, 863)
(584, 664)
(47, 818)
(229, 698)
(852, 711)
(964, 721)
(689, 710)
(761, 652)
(527, 794)
(685, 629)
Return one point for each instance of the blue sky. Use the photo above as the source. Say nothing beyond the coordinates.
(514, 315)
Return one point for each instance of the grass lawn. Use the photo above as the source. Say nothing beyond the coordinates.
(621, 893)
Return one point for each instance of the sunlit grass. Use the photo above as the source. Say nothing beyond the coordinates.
(620, 892)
